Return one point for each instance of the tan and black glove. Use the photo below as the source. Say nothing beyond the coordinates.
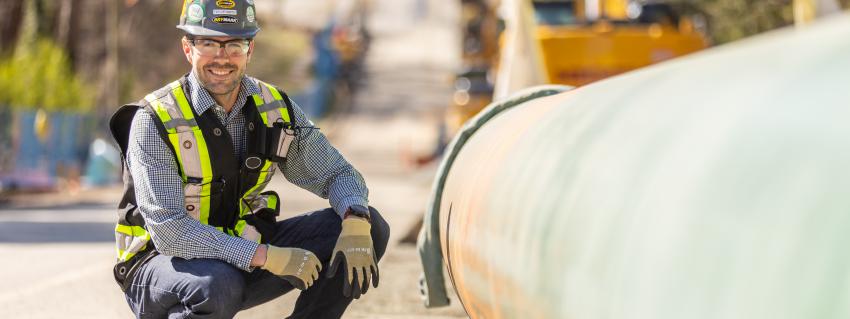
(354, 251)
(297, 266)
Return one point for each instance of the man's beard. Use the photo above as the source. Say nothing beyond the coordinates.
(216, 87)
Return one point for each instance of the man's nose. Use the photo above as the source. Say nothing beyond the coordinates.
(221, 52)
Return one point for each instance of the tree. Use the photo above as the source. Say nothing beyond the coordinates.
(10, 26)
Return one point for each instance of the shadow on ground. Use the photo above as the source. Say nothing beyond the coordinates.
(25, 232)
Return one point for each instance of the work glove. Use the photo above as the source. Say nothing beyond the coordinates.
(297, 266)
(354, 251)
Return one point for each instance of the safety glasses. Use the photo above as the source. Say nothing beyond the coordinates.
(210, 47)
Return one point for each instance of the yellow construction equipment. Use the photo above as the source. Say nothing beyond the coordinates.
(585, 41)
(573, 42)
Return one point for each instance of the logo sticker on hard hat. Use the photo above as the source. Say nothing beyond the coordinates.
(195, 13)
(224, 11)
(226, 4)
(225, 19)
(249, 14)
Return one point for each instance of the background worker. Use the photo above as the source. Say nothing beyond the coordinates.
(196, 236)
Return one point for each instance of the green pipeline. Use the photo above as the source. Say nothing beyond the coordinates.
(716, 185)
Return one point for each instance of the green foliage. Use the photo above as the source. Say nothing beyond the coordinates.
(731, 20)
(40, 76)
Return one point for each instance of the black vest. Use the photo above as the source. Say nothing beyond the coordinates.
(232, 177)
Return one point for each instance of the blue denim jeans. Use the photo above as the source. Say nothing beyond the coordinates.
(172, 287)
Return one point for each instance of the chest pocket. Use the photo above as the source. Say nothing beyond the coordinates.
(275, 110)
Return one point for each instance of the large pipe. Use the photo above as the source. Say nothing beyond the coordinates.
(715, 185)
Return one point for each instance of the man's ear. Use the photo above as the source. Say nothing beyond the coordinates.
(187, 49)
(250, 50)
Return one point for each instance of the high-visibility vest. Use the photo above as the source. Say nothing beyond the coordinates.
(219, 189)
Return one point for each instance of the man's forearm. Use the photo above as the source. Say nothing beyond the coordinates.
(187, 238)
(259, 258)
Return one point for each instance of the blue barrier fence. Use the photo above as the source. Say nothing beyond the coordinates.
(30, 163)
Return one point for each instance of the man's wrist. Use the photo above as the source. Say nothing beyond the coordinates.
(259, 259)
(357, 211)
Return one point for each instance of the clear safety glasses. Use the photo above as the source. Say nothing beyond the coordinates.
(210, 47)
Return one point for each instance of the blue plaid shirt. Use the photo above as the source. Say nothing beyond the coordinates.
(312, 164)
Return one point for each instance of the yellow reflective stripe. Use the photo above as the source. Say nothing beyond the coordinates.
(272, 201)
(173, 137)
(274, 91)
(133, 231)
(175, 141)
(124, 255)
(206, 186)
(240, 227)
(258, 100)
(264, 172)
(252, 193)
(161, 112)
(284, 114)
(203, 152)
(185, 108)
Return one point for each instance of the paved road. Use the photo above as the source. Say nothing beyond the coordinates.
(56, 261)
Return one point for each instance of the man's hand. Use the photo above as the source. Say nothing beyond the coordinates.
(355, 252)
(297, 266)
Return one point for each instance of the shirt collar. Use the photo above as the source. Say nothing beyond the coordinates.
(202, 100)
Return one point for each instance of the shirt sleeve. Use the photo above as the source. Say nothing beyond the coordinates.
(160, 199)
(313, 164)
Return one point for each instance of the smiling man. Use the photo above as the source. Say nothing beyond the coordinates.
(197, 235)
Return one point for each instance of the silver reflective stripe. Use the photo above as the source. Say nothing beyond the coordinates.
(136, 245)
(258, 202)
(188, 147)
(176, 123)
(192, 194)
(271, 106)
(172, 108)
(129, 240)
(123, 241)
(255, 201)
(190, 155)
(286, 138)
(253, 196)
(250, 233)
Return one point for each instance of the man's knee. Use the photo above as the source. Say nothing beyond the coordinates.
(380, 232)
(218, 288)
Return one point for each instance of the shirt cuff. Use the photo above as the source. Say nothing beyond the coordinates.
(239, 252)
(347, 202)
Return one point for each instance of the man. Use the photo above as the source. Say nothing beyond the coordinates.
(197, 236)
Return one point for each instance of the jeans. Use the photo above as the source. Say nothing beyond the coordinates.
(173, 287)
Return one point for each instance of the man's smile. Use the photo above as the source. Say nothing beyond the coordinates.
(219, 72)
